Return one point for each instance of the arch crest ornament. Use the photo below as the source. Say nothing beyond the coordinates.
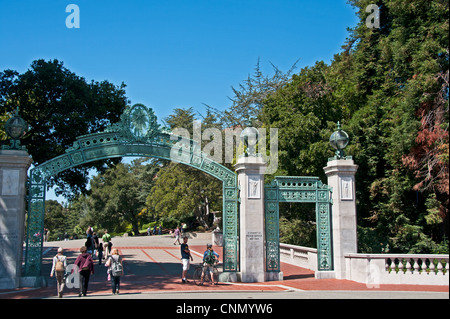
(136, 134)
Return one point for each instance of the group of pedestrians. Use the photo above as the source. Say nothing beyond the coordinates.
(210, 259)
(95, 247)
(84, 265)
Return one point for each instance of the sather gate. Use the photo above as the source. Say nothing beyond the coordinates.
(250, 226)
(136, 134)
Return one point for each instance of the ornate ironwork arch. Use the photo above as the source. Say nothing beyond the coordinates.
(298, 189)
(136, 134)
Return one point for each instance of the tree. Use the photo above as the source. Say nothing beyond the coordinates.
(118, 195)
(59, 106)
(407, 104)
(55, 219)
(305, 113)
(247, 102)
(180, 190)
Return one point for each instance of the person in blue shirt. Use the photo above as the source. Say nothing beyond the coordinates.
(210, 258)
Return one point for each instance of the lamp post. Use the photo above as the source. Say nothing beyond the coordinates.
(249, 137)
(339, 140)
(15, 128)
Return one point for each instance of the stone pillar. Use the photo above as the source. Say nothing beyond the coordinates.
(252, 254)
(341, 178)
(14, 165)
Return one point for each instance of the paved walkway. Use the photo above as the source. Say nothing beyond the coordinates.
(153, 269)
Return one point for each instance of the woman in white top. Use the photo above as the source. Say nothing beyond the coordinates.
(59, 267)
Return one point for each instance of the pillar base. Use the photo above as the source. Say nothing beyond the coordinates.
(33, 281)
(239, 277)
(229, 277)
(325, 275)
(274, 276)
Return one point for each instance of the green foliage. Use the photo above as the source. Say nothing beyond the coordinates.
(180, 191)
(389, 88)
(297, 224)
(59, 106)
(117, 197)
(55, 219)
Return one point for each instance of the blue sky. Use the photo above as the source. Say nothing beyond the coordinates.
(173, 53)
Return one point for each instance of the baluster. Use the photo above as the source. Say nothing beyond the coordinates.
(446, 267)
(393, 266)
(408, 266)
(432, 267)
(416, 266)
(387, 264)
(423, 266)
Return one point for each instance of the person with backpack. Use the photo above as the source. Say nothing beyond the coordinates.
(59, 267)
(115, 270)
(85, 266)
(210, 259)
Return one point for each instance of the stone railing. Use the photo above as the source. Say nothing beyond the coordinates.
(377, 269)
(304, 257)
(413, 269)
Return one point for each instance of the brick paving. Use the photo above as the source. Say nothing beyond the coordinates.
(158, 269)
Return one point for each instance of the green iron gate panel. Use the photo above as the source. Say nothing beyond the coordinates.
(35, 224)
(297, 189)
(127, 139)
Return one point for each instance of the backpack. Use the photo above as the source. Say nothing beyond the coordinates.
(116, 267)
(86, 263)
(59, 264)
(210, 258)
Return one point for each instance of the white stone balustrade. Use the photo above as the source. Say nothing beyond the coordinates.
(377, 269)
(301, 256)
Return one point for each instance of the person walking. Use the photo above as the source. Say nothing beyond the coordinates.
(177, 235)
(107, 244)
(185, 256)
(59, 267)
(95, 242)
(90, 246)
(100, 253)
(85, 266)
(115, 270)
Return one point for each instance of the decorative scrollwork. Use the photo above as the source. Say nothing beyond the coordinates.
(304, 190)
(136, 134)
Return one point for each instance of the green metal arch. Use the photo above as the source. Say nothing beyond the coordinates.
(117, 142)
